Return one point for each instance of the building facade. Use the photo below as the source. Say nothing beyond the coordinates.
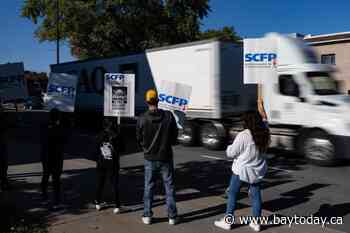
(334, 49)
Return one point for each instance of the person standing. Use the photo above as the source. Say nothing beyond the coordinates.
(156, 133)
(4, 183)
(54, 137)
(249, 165)
(109, 146)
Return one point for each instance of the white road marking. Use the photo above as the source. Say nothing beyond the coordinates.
(213, 157)
(218, 158)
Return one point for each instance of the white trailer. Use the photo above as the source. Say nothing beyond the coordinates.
(306, 111)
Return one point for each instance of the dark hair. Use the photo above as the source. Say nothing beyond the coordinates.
(261, 134)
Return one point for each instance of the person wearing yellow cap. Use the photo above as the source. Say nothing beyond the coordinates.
(156, 133)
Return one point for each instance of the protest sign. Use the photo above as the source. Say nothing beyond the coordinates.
(174, 96)
(119, 95)
(61, 92)
(260, 60)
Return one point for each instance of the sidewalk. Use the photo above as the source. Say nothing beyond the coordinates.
(198, 204)
(79, 216)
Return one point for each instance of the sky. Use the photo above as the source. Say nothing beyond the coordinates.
(249, 18)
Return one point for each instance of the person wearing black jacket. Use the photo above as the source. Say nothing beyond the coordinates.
(156, 133)
(109, 146)
(53, 136)
(4, 183)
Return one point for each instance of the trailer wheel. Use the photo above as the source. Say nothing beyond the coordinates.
(188, 135)
(318, 147)
(212, 137)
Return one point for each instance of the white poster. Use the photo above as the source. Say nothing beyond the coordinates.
(174, 96)
(119, 95)
(61, 92)
(260, 60)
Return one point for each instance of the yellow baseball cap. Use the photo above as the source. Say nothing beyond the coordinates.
(151, 97)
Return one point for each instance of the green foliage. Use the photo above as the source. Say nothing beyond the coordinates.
(123, 27)
(126, 26)
(226, 34)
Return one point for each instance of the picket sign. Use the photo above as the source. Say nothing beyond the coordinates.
(61, 92)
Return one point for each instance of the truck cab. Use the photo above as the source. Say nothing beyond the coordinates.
(305, 97)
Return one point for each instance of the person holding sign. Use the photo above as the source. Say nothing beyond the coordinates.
(4, 183)
(108, 151)
(156, 132)
(53, 138)
(249, 166)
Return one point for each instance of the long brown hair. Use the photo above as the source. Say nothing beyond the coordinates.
(261, 134)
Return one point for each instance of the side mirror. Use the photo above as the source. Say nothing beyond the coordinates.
(302, 99)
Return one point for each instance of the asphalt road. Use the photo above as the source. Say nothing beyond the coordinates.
(292, 186)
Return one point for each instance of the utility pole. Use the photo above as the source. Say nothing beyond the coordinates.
(58, 31)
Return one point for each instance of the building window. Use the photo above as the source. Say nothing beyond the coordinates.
(328, 59)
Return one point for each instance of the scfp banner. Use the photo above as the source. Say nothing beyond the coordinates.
(119, 95)
(260, 60)
(174, 96)
(61, 92)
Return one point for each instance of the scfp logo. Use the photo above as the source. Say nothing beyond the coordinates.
(173, 100)
(115, 77)
(62, 90)
(260, 57)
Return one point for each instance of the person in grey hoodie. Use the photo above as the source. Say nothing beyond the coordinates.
(249, 165)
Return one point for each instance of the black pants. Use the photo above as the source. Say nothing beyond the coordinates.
(113, 176)
(3, 165)
(53, 168)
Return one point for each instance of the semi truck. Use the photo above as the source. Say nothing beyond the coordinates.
(306, 111)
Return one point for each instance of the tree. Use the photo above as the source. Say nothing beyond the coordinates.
(126, 26)
(226, 33)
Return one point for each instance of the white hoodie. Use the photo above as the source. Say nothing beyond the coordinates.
(248, 163)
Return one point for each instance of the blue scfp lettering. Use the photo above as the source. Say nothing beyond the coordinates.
(260, 57)
(112, 77)
(63, 90)
(172, 100)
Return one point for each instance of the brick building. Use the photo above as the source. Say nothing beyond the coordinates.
(334, 49)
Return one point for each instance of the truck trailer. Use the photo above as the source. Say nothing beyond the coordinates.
(306, 111)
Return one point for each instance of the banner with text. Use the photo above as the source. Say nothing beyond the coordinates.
(260, 60)
(119, 95)
(174, 96)
(61, 92)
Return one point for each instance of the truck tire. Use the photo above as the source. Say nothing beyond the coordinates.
(212, 136)
(318, 148)
(188, 136)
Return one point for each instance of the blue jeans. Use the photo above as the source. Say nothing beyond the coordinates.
(255, 194)
(166, 170)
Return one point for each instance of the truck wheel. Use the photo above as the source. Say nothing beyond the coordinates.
(319, 149)
(188, 135)
(211, 137)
